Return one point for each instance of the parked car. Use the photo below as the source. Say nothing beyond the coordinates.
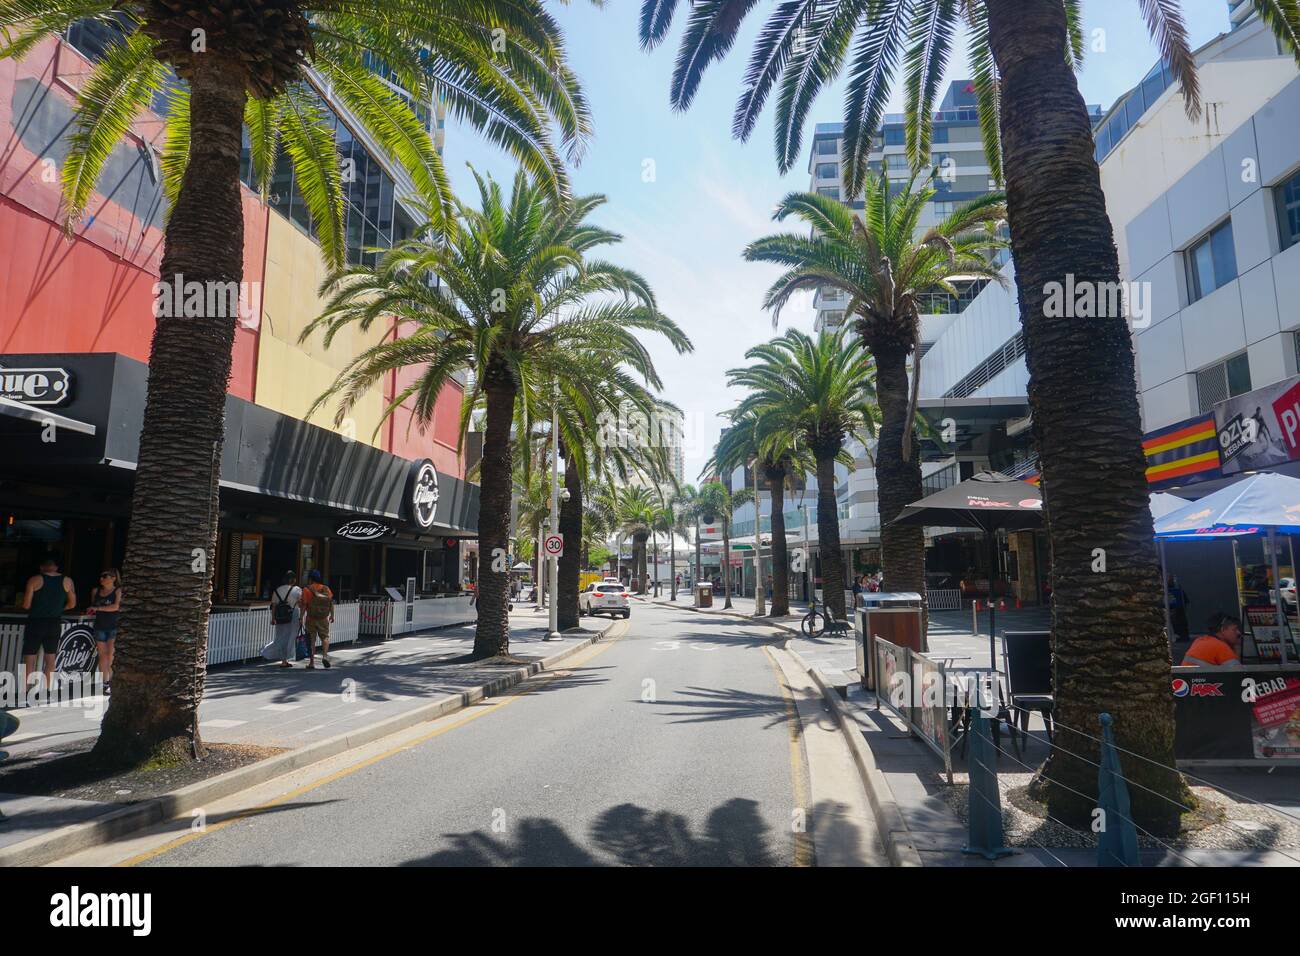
(1288, 594)
(604, 598)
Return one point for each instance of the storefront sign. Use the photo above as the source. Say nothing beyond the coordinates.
(1275, 728)
(363, 529)
(423, 493)
(36, 386)
(77, 653)
(1226, 716)
(1260, 428)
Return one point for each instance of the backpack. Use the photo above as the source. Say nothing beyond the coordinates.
(322, 601)
(282, 612)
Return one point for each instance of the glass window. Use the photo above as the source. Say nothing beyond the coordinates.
(832, 191)
(940, 134)
(826, 147)
(895, 136)
(827, 171)
(1211, 262)
(1238, 369)
(385, 218)
(1288, 210)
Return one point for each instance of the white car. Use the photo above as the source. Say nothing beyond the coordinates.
(604, 598)
(1288, 593)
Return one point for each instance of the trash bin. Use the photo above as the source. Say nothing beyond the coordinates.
(704, 594)
(897, 617)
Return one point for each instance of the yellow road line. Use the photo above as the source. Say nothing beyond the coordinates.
(803, 846)
(484, 707)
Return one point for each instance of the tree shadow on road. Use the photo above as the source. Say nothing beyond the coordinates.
(624, 835)
(707, 704)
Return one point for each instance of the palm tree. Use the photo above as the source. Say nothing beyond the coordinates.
(248, 64)
(688, 500)
(524, 310)
(717, 503)
(635, 514)
(884, 263)
(775, 455)
(1083, 392)
(817, 391)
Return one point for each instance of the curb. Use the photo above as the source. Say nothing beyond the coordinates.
(894, 833)
(75, 837)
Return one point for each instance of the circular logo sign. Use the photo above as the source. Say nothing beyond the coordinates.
(553, 545)
(424, 493)
(363, 529)
(1181, 687)
(77, 654)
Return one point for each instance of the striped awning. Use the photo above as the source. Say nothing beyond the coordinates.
(1183, 453)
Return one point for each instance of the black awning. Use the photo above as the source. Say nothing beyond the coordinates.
(43, 417)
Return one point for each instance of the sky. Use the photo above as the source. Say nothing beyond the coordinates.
(687, 197)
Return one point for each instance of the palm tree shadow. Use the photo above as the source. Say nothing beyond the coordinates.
(624, 835)
(707, 704)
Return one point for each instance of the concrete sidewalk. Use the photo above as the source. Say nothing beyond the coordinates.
(263, 704)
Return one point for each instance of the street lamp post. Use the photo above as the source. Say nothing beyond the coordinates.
(554, 562)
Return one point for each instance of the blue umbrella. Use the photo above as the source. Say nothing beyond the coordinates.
(1262, 503)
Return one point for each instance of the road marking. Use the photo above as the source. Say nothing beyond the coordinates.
(479, 709)
(803, 846)
(221, 723)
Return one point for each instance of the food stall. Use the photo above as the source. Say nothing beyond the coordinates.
(1245, 715)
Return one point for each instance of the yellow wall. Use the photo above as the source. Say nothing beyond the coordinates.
(290, 375)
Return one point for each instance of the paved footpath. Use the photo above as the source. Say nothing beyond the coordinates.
(264, 704)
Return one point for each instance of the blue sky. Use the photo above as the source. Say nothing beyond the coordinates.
(710, 194)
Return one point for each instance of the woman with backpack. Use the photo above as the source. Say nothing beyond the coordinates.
(285, 620)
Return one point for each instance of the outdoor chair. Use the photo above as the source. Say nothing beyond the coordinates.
(1027, 657)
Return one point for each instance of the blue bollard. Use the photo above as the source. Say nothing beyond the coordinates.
(1118, 844)
(984, 836)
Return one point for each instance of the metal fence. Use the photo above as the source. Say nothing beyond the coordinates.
(914, 688)
(944, 600)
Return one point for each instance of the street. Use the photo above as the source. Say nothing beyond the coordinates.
(671, 745)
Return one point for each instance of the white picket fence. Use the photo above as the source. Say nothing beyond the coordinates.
(236, 634)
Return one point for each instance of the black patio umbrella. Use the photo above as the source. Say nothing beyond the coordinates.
(990, 501)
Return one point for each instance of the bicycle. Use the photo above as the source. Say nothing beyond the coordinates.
(816, 623)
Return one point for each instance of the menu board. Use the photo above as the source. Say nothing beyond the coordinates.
(1275, 717)
(1265, 635)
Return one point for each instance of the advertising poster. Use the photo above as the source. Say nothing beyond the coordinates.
(1275, 718)
(1260, 428)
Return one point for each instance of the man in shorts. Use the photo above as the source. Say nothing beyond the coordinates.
(45, 598)
(317, 605)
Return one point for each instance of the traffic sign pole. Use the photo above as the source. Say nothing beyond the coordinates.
(554, 563)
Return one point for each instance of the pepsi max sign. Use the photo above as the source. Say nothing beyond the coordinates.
(1196, 687)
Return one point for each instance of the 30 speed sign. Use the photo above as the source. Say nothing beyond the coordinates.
(553, 545)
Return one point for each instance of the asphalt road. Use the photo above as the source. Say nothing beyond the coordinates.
(673, 745)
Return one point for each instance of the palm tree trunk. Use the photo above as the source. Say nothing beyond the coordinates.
(902, 548)
(161, 658)
(655, 538)
(672, 565)
(828, 537)
(638, 563)
(780, 567)
(566, 591)
(1111, 655)
(726, 561)
(699, 574)
(492, 634)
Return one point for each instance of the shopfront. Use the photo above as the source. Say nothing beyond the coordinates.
(293, 496)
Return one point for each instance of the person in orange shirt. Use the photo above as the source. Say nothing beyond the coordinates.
(1220, 647)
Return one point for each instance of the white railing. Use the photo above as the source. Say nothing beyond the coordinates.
(945, 600)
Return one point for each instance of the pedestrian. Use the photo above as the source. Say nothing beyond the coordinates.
(318, 615)
(106, 605)
(1178, 602)
(286, 619)
(46, 596)
(1219, 648)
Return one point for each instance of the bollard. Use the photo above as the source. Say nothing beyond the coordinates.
(1117, 844)
(984, 836)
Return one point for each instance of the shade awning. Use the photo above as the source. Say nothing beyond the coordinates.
(43, 416)
(989, 501)
(1250, 506)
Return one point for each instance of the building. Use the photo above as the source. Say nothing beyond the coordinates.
(371, 503)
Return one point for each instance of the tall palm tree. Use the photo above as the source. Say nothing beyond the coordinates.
(820, 392)
(688, 502)
(635, 513)
(525, 310)
(782, 463)
(1082, 390)
(717, 503)
(226, 66)
(884, 263)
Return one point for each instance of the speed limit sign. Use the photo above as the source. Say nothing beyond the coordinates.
(553, 545)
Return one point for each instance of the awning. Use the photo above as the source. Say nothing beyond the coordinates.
(43, 417)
